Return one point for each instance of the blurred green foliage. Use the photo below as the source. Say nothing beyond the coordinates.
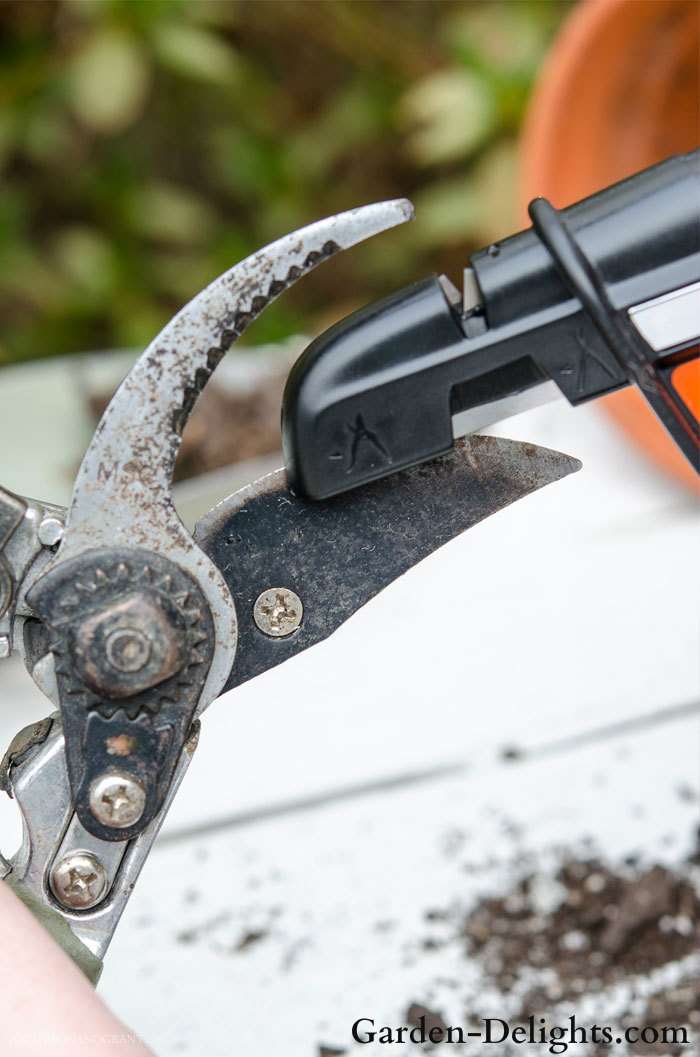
(147, 145)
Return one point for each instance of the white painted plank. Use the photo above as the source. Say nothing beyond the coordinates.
(317, 883)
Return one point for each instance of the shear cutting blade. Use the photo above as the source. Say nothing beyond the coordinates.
(338, 554)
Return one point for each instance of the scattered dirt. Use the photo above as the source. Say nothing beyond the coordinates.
(432, 1019)
(675, 1005)
(607, 927)
(600, 931)
(212, 928)
(225, 428)
(206, 928)
(250, 938)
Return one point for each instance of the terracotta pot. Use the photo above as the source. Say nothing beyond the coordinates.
(619, 91)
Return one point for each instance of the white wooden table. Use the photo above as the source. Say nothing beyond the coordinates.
(335, 800)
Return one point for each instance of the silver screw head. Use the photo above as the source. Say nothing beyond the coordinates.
(50, 531)
(5, 647)
(117, 800)
(278, 612)
(79, 880)
(128, 650)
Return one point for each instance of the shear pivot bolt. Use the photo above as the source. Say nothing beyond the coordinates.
(278, 612)
(128, 650)
(79, 880)
(117, 800)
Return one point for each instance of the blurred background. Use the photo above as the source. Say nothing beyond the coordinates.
(147, 145)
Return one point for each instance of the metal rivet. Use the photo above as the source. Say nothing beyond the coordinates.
(50, 531)
(117, 800)
(127, 650)
(79, 880)
(5, 646)
(278, 612)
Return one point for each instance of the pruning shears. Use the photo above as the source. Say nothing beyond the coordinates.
(132, 626)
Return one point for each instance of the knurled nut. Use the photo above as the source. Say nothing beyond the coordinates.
(160, 583)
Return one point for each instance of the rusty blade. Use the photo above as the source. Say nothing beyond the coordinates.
(122, 491)
(338, 554)
(122, 494)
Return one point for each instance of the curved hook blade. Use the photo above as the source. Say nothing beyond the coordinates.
(122, 491)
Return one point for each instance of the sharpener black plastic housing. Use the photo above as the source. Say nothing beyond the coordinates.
(376, 392)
